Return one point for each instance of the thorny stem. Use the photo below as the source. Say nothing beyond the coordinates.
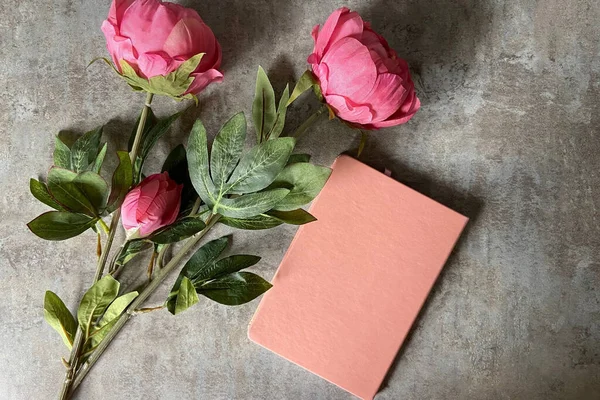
(114, 223)
(135, 305)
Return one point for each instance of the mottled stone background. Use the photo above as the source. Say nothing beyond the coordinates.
(507, 135)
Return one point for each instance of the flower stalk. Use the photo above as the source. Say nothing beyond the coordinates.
(134, 307)
(78, 340)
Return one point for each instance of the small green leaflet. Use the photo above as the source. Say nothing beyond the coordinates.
(252, 204)
(95, 302)
(60, 225)
(179, 230)
(306, 81)
(186, 297)
(122, 180)
(234, 289)
(59, 318)
(85, 150)
(39, 190)
(305, 181)
(62, 154)
(263, 107)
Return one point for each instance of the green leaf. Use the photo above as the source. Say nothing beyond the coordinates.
(62, 154)
(227, 149)
(259, 166)
(203, 257)
(281, 112)
(96, 335)
(67, 192)
(99, 159)
(263, 107)
(186, 296)
(174, 85)
(39, 190)
(225, 266)
(60, 225)
(155, 133)
(117, 307)
(261, 221)
(179, 230)
(85, 150)
(294, 217)
(306, 81)
(94, 188)
(298, 158)
(250, 205)
(197, 155)
(234, 289)
(95, 302)
(59, 318)
(176, 165)
(122, 180)
(305, 180)
(131, 249)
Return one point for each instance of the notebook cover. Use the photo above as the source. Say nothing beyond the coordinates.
(352, 283)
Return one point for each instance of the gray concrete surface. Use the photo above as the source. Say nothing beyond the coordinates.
(507, 135)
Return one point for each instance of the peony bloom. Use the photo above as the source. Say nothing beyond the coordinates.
(152, 204)
(361, 78)
(155, 38)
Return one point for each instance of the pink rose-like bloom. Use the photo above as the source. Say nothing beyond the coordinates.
(361, 77)
(155, 38)
(152, 204)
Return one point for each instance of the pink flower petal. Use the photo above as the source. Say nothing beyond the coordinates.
(119, 47)
(203, 79)
(344, 109)
(129, 208)
(387, 96)
(352, 72)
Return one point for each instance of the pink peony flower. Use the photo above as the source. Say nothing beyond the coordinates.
(361, 77)
(155, 38)
(152, 204)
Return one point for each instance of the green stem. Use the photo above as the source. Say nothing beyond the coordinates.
(148, 290)
(309, 122)
(114, 223)
(103, 225)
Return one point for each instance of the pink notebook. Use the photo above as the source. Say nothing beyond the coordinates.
(351, 284)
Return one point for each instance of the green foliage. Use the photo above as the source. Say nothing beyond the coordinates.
(60, 225)
(174, 85)
(281, 113)
(304, 180)
(293, 217)
(95, 302)
(257, 222)
(270, 219)
(122, 180)
(179, 230)
(259, 166)
(235, 289)
(296, 158)
(265, 178)
(177, 166)
(264, 113)
(268, 121)
(306, 82)
(39, 190)
(59, 318)
(62, 154)
(85, 150)
(154, 129)
(252, 204)
(186, 296)
(217, 279)
(117, 307)
(73, 194)
(227, 149)
(131, 249)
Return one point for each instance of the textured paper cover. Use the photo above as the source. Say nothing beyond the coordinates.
(351, 284)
